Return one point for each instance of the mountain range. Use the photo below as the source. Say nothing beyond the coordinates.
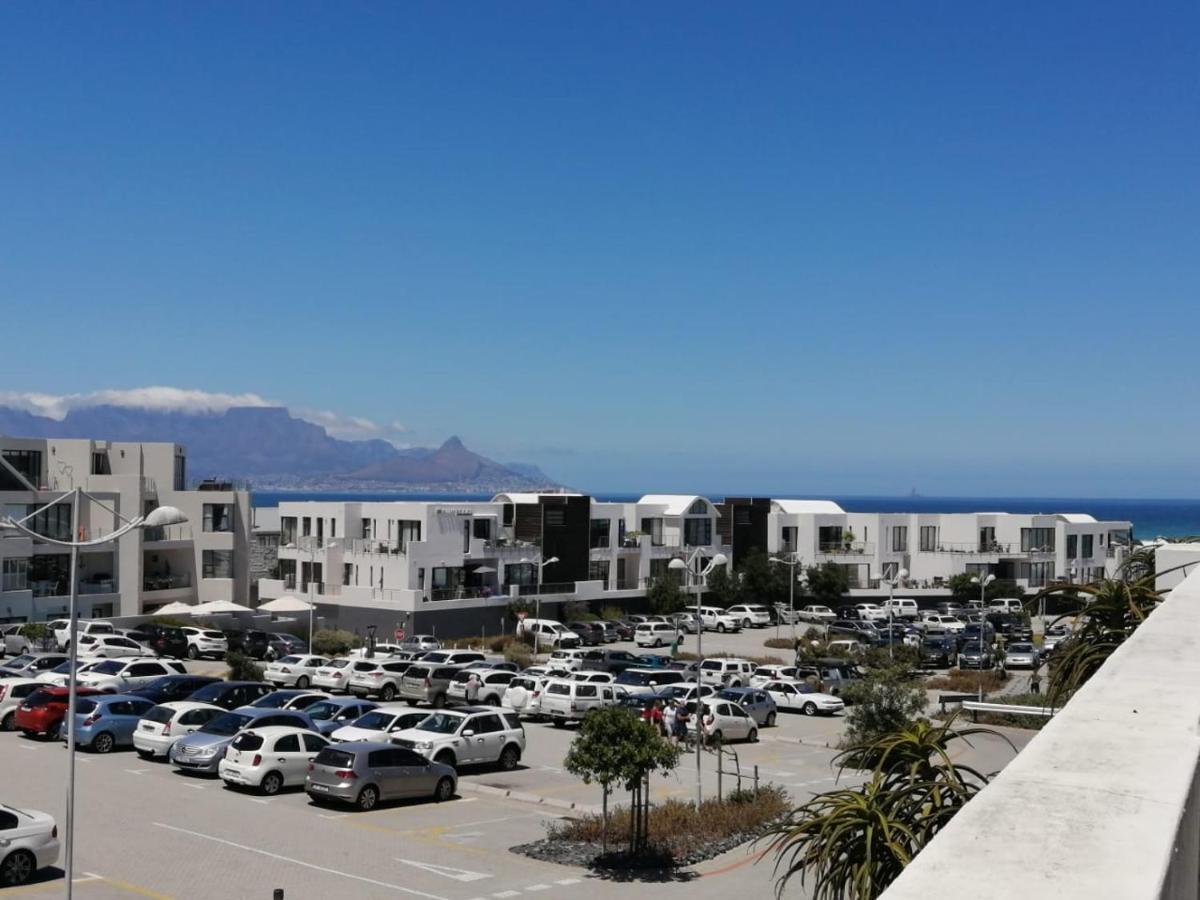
(274, 449)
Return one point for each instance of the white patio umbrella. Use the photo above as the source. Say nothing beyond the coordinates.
(177, 608)
(288, 603)
(218, 607)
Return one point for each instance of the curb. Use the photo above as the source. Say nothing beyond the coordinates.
(524, 797)
(807, 742)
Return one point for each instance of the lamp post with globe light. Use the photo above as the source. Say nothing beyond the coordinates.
(900, 577)
(791, 564)
(983, 583)
(159, 517)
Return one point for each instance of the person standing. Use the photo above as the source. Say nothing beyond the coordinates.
(473, 688)
(1035, 680)
(681, 724)
(668, 720)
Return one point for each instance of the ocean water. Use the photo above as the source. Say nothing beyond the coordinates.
(1150, 518)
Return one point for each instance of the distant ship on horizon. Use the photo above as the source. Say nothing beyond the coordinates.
(913, 493)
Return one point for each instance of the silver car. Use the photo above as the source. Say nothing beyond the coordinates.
(203, 750)
(362, 773)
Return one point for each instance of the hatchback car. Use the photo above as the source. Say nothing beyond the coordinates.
(231, 694)
(167, 722)
(111, 646)
(724, 721)
(379, 677)
(103, 723)
(468, 736)
(332, 713)
(28, 842)
(30, 665)
(203, 642)
(420, 642)
(270, 758)
(295, 670)
(363, 773)
(756, 702)
(202, 750)
(43, 711)
(378, 724)
(12, 692)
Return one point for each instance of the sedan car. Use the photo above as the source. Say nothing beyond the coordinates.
(231, 694)
(295, 670)
(28, 842)
(331, 714)
(334, 676)
(270, 758)
(814, 612)
(173, 687)
(121, 675)
(362, 773)
(975, 656)
(105, 722)
(111, 646)
(379, 724)
(30, 665)
(756, 702)
(939, 651)
(166, 723)
(281, 644)
(289, 698)
(799, 696)
(1022, 656)
(59, 675)
(202, 750)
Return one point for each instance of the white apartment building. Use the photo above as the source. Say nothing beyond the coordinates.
(204, 559)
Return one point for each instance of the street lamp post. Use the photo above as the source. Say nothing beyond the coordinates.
(900, 576)
(983, 583)
(537, 603)
(678, 564)
(159, 517)
(791, 564)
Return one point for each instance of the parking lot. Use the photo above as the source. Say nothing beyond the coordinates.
(145, 830)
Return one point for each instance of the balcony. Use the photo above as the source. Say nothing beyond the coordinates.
(166, 582)
(462, 593)
(370, 547)
(535, 590)
(970, 548)
(847, 548)
(168, 533)
(506, 549)
(98, 586)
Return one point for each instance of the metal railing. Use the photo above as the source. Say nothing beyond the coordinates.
(846, 548)
(171, 533)
(629, 584)
(105, 586)
(372, 546)
(166, 582)
(505, 546)
(533, 590)
(462, 593)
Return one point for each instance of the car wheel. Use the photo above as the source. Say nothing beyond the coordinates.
(192, 652)
(715, 737)
(18, 867)
(558, 723)
(810, 709)
(721, 627)
(6, 724)
(657, 643)
(439, 701)
(770, 723)
(446, 758)
(367, 798)
(271, 783)
(144, 754)
(509, 758)
(387, 693)
(103, 742)
(746, 623)
(444, 790)
(752, 737)
(411, 702)
(302, 682)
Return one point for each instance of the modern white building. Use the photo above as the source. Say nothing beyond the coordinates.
(205, 559)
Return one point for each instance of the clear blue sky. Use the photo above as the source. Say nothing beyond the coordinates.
(805, 247)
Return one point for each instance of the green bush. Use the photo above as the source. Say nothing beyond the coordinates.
(612, 613)
(520, 653)
(242, 667)
(884, 702)
(331, 642)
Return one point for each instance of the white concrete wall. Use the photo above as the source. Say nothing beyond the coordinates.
(1104, 802)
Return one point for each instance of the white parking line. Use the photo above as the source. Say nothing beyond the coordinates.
(503, 894)
(566, 881)
(298, 862)
(538, 887)
(136, 771)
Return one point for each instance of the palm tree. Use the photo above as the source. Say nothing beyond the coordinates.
(1110, 611)
(853, 842)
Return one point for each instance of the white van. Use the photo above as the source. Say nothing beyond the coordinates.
(568, 701)
(548, 632)
(902, 608)
(727, 672)
(654, 634)
(1006, 604)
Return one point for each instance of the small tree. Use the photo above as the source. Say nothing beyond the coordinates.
(242, 667)
(827, 583)
(723, 589)
(762, 581)
(887, 700)
(519, 605)
(664, 595)
(331, 642)
(616, 746)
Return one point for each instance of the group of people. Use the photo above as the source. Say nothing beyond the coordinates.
(671, 719)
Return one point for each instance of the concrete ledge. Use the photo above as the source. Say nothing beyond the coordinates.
(524, 797)
(1105, 800)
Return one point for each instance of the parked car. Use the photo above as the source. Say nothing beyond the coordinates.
(1053, 638)
(231, 694)
(363, 773)
(164, 640)
(799, 696)
(548, 632)
(111, 646)
(41, 712)
(453, 658)
(685, 622)
(871, 612)
(655, 634)
(973, 632)
(614, 661)
(939, 651)
(120, 675)
(289, 698)
(901, 608)
(28, 844)
(750, 614)
(566, 700)
(253, 643)
(858, 629)
(724, 721)
(296, 670)
(848, 647)
(202, 750)
(21, 638)
(523, 695)
(334, 676)
(592, 677)
(30, 665)
(173, 687)
(1006, 604)
(613, 631)
(62, 632)
(648, 681)
(1022, 655)
(270, 758)
(492, 685)
(13, 692)
(106, 722)
(713, 618)
(815, 612)
(568, 659)
(376, 650)
(379, 677)
(427, 683)
(164, 724)
(727, 672)
(280, 644)
(974, 655)
(756, 702)
(1013, 627)
(763, 674)
(60, 674)
(830, 675)
(936, 623)
(332, 713)
(591, 634)
(420, 642)
(950, 607)
(202, 642)
(468, 736)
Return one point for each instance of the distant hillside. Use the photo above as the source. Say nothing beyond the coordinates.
(271, 447)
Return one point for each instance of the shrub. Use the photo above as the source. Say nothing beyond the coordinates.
(242, 667)
(463, 643)
(331, 642)
(779, 644)
(577, 611)
(884, 702)
(612, 613)
(520, 653)
(961, 682)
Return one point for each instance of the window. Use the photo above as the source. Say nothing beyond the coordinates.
(554, 517)
(987, 538)
(899, 538)
(53, 522)
(408, 530)
(929, 538)
(217, 564)
(599, 533)
(1037, 539)
(598, 570)
(219, 517)
(486, 724)
(15, 575)
(789, 539)
(27, 462)
(830, 536)
(366, 529)
(654, 528)
(507, 514)
(181, 473)
(699, 508)
(1087, 546)
(312, 743)
(287, 530)
(890, 571)
(697, 532)
(289, 743)
(482, 529)
(1072, 546)
(347, 573)
(100, 464)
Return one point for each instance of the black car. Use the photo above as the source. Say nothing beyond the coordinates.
(173, 687)
(256, 644)
(975, 656)
(282, 644)
(591, 634)
(850, 614)
(165, 640)
(939, 652)
(231, 694)
(1013, 627)
(863, 631)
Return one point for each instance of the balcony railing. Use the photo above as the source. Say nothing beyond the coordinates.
(629, 584)
(167, 533)
(973, 548)
(462, 593)
(99, 586)
(846, 548)
(166, 582)
(505, 547)
(533, 590)
(372, 547)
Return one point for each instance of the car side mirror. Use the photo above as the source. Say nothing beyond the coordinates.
(469, 733)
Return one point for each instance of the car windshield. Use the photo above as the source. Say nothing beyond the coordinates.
(323, 710)
(972, 648)
(736, 696)
(435, 657)
(1020, 648)
(226, 724)
(634, 678)
(273, 700)
(109, 667)
(289, 660)
(23, 660)
(336, 664)
(441, 723)
(378, 721)
(160, 714)
(40, 698)
(335, 759)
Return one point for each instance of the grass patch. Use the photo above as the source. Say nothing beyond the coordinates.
(677, 829)
(959, 682)
(779, 644)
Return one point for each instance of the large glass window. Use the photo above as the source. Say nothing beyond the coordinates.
(53, 522)
(408, 530)
(218, 517)
(1087, 546)
(15, 575)
(697, 532)
(520, 573)
(1072, 546)
(27, 462)
(287, 530)
(830, 537)
(599, 532)
(899, 538)
(218, 564)
(1037, 539)
(50, 575)
(987, 539)
(598, 570)
(654, 528)
(929, 538)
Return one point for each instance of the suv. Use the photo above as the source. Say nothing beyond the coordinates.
(591, 634)
(231, 694)
(255, 644)
(165, 640)
(419, 643)
(203, 642)
(901, 608)
(31, 665)
(61, 629)
(567, 659)
(1006, 604)
(377, 676)
(121, 675)
(727, 672)
(655, 634)
(453, 658)
(713, 618)
(568, 701)
(751, 615)
(548, 633)
(648, 681)
(492, 685)
(615, 661)
(427, 683)
(468, 736)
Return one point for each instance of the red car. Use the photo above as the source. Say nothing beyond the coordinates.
(44, 710)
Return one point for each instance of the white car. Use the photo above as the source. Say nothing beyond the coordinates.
(524, 694)
(469, 735)
(420, 643)
(567, 659)
(270, 758)
(727, 672)
(118, 675)
(568, 701)
(58, 675)
(381, 649)
(798, 696)
(205, 642)
(592, 676)
(814, 612)
(654, 634)
(685, 691)
(297, 670)
(12, 692)
(492, 685)
(166, 723)
(380, 676)
(61, 629)
(941, 622)
(713, 618)
(111, 646)
(871, 612)
(724, 721)
(763, 674)
(28, 842)
(902, 608)
(751, 615)
(334, 676)
(379, 724)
